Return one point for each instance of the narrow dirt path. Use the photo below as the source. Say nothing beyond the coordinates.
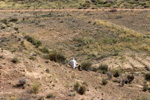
(45, 10)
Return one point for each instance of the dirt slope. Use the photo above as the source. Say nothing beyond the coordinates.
(56, 31)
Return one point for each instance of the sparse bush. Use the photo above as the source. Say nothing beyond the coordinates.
(44, 50)
(82, 90)
(86, 66)
(116, 73)
(103, 68)
(35, 42)
(76, 86)
(50, 95)
(147, 76)
(4, 21)
(2, 27)
(35, 88)
(15, 60)
(104, 82)
(15, 28)
(13, 20)
(85, 5)
(145, 86)
(32, 58)
(130, 78)
(1, 57)
(57, 57)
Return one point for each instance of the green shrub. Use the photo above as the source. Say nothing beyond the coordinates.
(103, 68)
(86, 66)
(44, 50)
(35, 88)
(35, 42)
(13, 20)
(15, 60)
(57, 57)
(2, 27)
(104, 82)
(4, 21)
(82, 90)
(32, 58)
(147, 76)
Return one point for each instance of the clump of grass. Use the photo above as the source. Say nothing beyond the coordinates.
(103, 68)
(35, 42)
(50, 95)
(4, 21)
(147, 76)
(86, 66)
(15, 60)
(32, 58)
(57, 57)
(76, 86)
(2, 27)
(44, 50)
(116, 73)
(13, 20)
(145, 86)
(80, 89)
(1, 57)
(85, 5)
(35, 88)
(104, 82)
(130, 78)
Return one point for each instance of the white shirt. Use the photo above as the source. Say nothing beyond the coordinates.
(72, 63)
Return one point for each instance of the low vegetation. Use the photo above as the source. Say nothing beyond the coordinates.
(81, 4)
(32, 40)
(57, 57)
(147, 76)
(116, 73)
(104, 81)
(81, 89)
(35, 88)
(86, 66)
(15, 60)
(145, 86)
(103, 68)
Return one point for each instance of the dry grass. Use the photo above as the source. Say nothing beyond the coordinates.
(126, 31)
(35, 88)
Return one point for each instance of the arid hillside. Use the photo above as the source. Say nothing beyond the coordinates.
(111, 46)
(78, 4)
